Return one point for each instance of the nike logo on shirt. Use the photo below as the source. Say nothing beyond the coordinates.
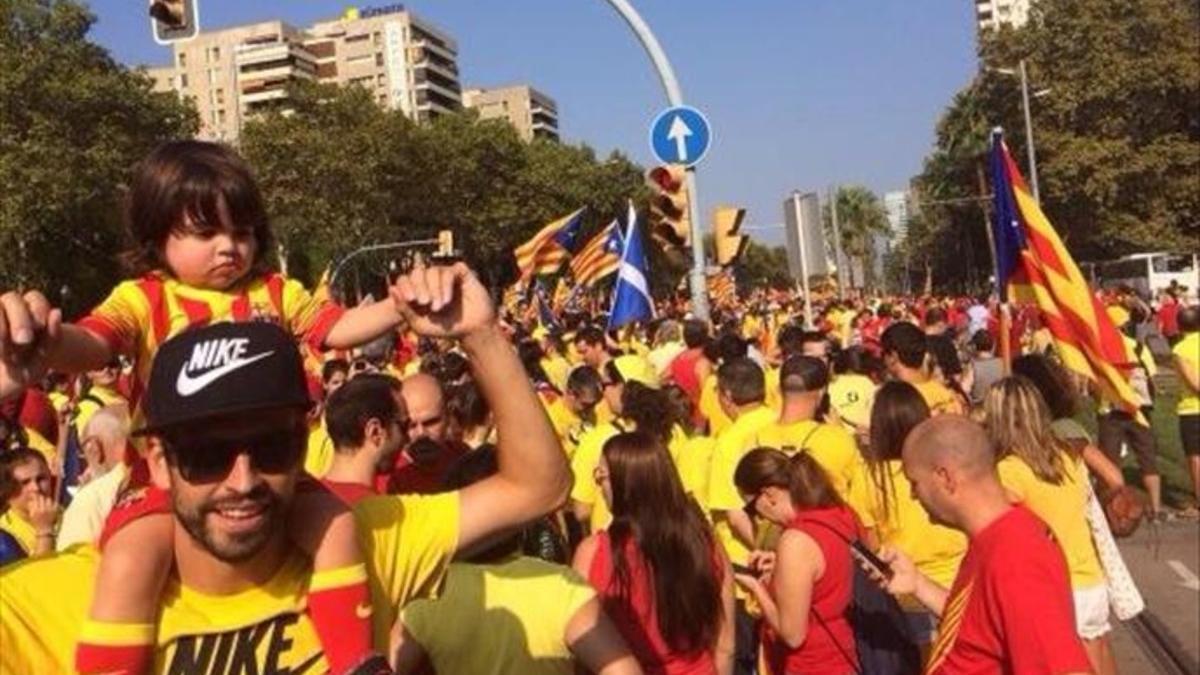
(188, 385)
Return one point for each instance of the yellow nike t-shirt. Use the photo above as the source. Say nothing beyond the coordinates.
(408, 542)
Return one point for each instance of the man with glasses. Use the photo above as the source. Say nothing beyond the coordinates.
(225, 432)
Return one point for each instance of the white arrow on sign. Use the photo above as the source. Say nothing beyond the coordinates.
(679, 132)
(1187, 578)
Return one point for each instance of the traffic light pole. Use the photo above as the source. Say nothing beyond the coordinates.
(670, 84)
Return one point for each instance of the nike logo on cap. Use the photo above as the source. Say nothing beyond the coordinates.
(217, 358)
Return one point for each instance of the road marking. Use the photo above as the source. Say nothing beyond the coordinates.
(1187, 578)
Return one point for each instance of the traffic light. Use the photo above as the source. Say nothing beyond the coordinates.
(670, 223)
(445, 248)
(727, 220)
(174, 20)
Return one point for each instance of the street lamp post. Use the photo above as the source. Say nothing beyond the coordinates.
(671, 85)
(1033, 175)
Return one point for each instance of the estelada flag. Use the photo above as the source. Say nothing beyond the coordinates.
(1032, 265)
(547, 250)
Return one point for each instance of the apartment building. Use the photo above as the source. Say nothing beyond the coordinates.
(991, 14)
(231, 74)
(532, 113)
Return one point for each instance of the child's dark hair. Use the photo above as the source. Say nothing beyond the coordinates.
(193, 179)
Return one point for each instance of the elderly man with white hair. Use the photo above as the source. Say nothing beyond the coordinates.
(103, 442)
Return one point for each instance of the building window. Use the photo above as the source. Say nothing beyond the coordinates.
(379, 58)
(221, 117)
(220, 92)
(380, 80)
(182, 57)
(377, 38)
(183, 81)
(357, 38)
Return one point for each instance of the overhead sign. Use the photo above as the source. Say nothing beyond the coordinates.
(680, 135)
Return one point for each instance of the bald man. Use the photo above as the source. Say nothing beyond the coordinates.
(429, 451)
(1010, 608)
(103, 441)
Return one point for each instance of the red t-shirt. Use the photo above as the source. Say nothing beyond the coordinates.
(635, 617)
(1168, 318)
(683, 372)
(349, 493)
(1010, 609)
(410, 478)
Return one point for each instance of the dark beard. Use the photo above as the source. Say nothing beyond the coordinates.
(241, 547)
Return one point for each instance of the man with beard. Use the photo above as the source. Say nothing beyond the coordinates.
(366, 420)
(225, 434)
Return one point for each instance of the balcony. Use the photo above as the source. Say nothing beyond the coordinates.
(436, 48)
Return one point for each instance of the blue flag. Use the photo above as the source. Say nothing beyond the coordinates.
(1007, 230)
(631, 293)
(546, 316)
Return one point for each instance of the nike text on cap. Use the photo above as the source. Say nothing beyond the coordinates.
(222, 369)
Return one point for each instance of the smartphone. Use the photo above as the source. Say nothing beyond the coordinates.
(865, 555)
(743, 569)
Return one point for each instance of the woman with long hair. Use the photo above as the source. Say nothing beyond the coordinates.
(662, 577)
(812, 579)
(890, 513)
(1050, 478)
(1062, 400)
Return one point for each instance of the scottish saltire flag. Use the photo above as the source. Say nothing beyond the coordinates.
(600, 257)
(1032, 265)
(550, 247)
(631, 293)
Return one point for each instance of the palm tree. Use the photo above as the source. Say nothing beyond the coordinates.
(861, 219)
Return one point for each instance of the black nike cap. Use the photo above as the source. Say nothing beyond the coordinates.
(223, 369)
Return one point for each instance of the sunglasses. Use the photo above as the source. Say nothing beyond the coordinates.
(202, 460)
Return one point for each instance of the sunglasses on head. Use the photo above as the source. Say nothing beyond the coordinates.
(200, 459)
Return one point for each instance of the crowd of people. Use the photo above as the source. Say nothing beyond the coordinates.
(217, 471)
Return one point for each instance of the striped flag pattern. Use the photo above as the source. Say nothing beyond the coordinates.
(721, 288)
(550, 247)
(1033, 265)
(600, 257)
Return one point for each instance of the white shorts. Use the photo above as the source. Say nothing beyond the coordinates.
(1091, 612)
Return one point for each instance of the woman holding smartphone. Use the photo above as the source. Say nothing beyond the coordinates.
(805, 597)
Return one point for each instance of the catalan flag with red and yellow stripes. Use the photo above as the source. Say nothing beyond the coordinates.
(600, 257)
(1033, 265)
(722, 288)
(550, 247)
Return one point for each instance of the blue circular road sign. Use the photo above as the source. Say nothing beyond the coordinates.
(680, 135)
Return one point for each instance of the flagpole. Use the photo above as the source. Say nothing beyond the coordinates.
(1006, 347)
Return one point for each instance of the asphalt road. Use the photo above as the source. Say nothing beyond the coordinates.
(1165, 564)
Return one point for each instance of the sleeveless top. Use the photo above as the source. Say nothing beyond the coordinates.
(636, 618)
(826, 647)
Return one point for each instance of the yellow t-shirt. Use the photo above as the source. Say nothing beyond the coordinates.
(771, 377)
(939, 398)
(693, 461)
(557, 369)
(38, 442)
(1064, 508)
(408, 542)
(587, 458)
(732, 444)
(508, 617)
(936, 550)
(710, 406)
(318, 457)
(88, 407)
(852, 396)
(568, 426)
(1188, 351)
(21, 530)
(831, 446)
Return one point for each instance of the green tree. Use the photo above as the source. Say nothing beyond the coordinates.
(72, 124)
(763, 267)
(861, 218)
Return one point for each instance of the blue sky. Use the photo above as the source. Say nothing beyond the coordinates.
(801, 94)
